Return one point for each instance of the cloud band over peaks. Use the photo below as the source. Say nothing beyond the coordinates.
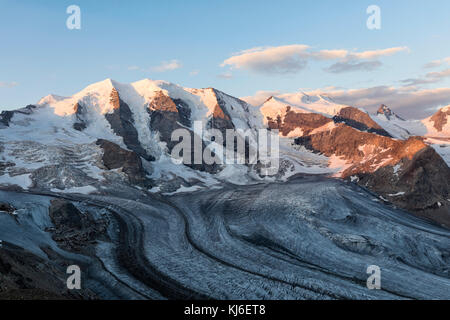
(294, 58)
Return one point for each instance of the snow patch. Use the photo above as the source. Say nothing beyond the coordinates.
(396, 194)
(183, 189)
(80, 190)
(23, 181)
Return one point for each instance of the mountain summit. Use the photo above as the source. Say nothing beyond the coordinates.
(388, 113)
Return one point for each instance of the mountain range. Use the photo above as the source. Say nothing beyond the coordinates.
(112, 131)
(88, 180)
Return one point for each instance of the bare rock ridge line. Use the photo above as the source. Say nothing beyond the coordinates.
(306, 121)
(359, 120)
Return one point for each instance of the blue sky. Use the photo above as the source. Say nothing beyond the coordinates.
(131, 40)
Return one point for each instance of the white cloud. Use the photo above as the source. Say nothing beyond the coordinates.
(350, 66)
(437, 63)
(133, 68)
(376, 54)
(430, 77)
(294, 58)
(168, 66)
(331, 54)
(439, 75)
(8, 84)
(361, 61)
(284, 59)
(194, 72)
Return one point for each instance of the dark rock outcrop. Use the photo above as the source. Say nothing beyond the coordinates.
(122, 123)
(168, 115)
(420, 185)
(80, 116)
(184, 112)
(6, 207)
(165, 117)
(114, 157)
(73, 229)
(6, 116)
(220, 118)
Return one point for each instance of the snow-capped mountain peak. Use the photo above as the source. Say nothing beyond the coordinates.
(300, 102)
(439, 123)
(385, 111)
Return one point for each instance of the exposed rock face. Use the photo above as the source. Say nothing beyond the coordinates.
(220, 118)
(413, 173)
(79, 126)
(359, 120)
(388, 113)
(114, 157)
(122, 123)
(307, 122)
(184, 112)
(294, 123)
(6, 207)
(73, 229)
(440, 118)
(165, 117)
(420, 185)
(168, 115)
(6, 116)
(221, 121)
(366, 151)
(80, 112)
